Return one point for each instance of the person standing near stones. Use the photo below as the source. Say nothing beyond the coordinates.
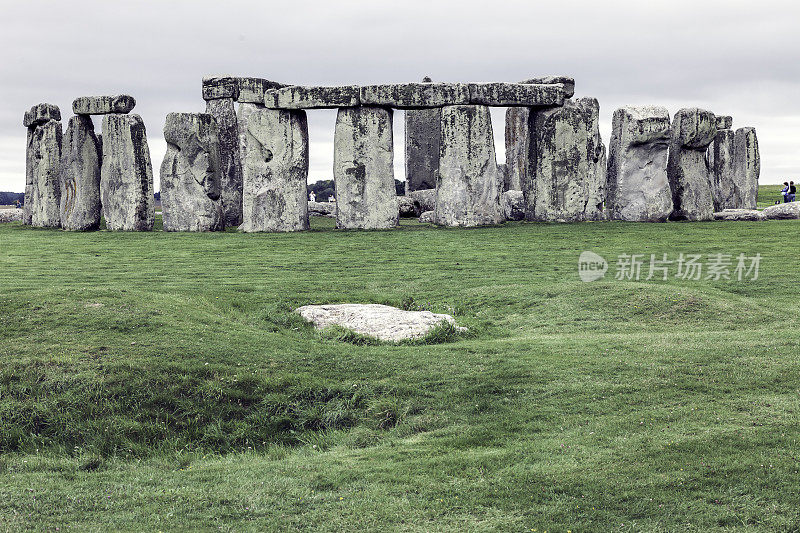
(792, 191)
(785, 191)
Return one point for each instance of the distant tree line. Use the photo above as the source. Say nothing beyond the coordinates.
(324, 189)
(8, 198)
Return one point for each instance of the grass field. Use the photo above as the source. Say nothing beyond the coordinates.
(158, 381)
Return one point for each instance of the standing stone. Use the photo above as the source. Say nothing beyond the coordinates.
(423, 140)
(246, 109)
(747, 167)
(80, 176)
(29, 185)
(222, 109)
(638, 188)
(469, 185)
(363, 169)
(190, 174)
(598, 164)
(721, 165)
(275, 171)
(45, 153)
(126, 176)
(689, 177)
(517, 140)
(558, 169)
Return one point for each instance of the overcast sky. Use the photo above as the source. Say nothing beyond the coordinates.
(731, 57)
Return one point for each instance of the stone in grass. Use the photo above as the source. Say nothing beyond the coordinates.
(427, 217)
(382, 322)
(787, 211)
(739, 214)
(10, 215)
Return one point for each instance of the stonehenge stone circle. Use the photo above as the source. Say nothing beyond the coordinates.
(598, 164)
(423, 142)
(747, 167)
(469, 185)
(556, 187)
(43, 157)
(318, 97)
(517, 140)
(79, 173)
(721, 166)
(190, 174)
(103, 105)
(363, 169)
(222, 109)
(126, 175)
(275, 171)
(687, 168)
(638, 189)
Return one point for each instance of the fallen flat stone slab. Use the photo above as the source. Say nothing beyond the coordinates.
(10, 215)
(787, 211)
(415, 95)
(516, 94)
(427, 217)
(739, 214)
(103, 105)
(566, 81)
(251, 90)
(382, 322)
(724, 122)
(215, 87)
(312, 97)
(40, 114)
(322, 209)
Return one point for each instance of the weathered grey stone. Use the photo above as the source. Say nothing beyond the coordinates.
(724, 122)
(190, 174)
(313, 97)
(29, 183)
(363, 169)
(721, 165)
(322, 209)
(598, 163)
(45, 153)
(415, 95)
(739, 214)
(516, 94)
(103, 105)
(276, 171)
(469, 185)
(230, 162)
(215, 87)
(40, 114)
(246, 110)
(251, 90)
(566, 81)
(687, 169)
(126, 175)
(558, 169)
(638, 188)
(514, 205)
(11, 215)
(747, 167)
(81, 158)
(427, 217)
(406, 207)
(374, 320)
(517, 138)
(787, 211)
(424, 199)
(423, 141)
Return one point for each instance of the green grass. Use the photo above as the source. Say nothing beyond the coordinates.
(158, 381)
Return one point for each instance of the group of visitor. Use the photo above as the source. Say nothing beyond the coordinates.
(788, 191)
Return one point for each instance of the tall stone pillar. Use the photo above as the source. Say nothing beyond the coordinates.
(558, 168)
(598, 164)
(517, 141)
(43, 154)
(126, 175)
(720, 162)
(221, 106)
(689, 176)
(423, 141)
(469, 185)
(363, 169)
(275, 171)
(190, 174)
(747, 167)
(638, 189)
(80, 176)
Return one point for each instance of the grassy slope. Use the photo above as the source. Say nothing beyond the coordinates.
(131, 362)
